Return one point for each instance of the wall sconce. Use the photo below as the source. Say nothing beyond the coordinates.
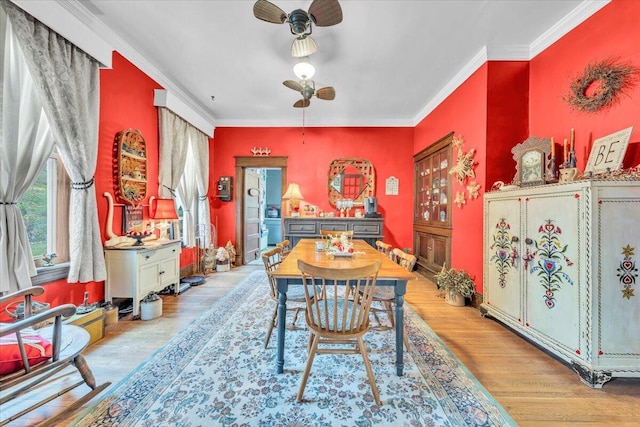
(165, 211)
(294, 196)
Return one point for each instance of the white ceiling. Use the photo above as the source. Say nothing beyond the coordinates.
(390, 62)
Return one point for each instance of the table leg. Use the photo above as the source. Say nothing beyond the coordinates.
(282, 320)
(399, 335)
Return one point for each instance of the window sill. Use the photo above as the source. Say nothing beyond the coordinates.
(50, 274)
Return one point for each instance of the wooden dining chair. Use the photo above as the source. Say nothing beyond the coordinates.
(385, 295)
(383, 247)
(327, 234)
(285, 245)
(338, 303)
(295, 296)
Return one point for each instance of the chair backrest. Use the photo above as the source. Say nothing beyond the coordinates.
(272, 260)
(327, 234)
(383, 247)
(338, 300)
(285, 245)
(404, 259)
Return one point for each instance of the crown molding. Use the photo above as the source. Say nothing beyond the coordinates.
(574, 18)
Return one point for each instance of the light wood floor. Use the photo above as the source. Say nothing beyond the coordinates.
(533, 387)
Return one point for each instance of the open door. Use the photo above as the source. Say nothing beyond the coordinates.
(251, 215)
(243, 163)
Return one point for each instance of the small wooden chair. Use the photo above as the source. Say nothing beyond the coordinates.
(295, 296)
(338, 303)
(67, 343)
(386, 296)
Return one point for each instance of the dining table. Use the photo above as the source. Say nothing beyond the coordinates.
(390, 274)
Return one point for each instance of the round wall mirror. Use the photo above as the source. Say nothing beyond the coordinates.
(352, 179)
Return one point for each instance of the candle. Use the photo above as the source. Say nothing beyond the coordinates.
(573, 137)
(553, 148)
(565, 155)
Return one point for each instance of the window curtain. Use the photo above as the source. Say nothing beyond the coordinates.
(200, 145)
(187, 191)
(174, 139)
(67, 80)
(25, 145)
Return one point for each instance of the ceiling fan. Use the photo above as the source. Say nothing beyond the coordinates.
(323, 13)
(307, 89)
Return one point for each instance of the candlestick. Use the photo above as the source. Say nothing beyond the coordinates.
(553, 148)
(573, 137)
(565, 154)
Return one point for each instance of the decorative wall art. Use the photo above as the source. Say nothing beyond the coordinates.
(130, 167)
(391, 186)
(505, 252)
(600, 85)
(607, 152)
(260, 151)
(463, 171)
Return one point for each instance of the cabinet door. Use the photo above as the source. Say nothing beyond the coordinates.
(503, 289)
(555, 295)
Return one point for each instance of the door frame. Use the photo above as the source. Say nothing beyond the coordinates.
(243, 162)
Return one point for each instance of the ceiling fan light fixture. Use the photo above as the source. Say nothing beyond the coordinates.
(303, 46)
(303, 69)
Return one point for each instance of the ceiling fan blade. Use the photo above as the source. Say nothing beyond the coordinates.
(269, 12)
(302, 103)
(327, 93)
(326, 13)
(292, 84)
(303, 46)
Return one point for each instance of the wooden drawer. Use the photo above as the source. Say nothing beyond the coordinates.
(153, 256)
(362, 229)
(333, 226)
(300, 227)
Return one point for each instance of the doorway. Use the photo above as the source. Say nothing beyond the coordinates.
(241, 191)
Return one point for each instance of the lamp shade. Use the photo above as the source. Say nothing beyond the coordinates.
(293, 192)
(164, 209)
(303, 69)
(303, 46)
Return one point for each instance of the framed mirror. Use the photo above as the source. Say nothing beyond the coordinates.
(352, 179)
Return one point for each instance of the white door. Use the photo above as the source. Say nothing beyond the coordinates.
(252, 193)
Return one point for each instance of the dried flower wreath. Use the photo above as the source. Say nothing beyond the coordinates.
(600, 85)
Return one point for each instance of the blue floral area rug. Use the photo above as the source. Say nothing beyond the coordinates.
(217, 373)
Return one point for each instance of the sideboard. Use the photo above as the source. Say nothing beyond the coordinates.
(369, 229)
(134, 271)
(560, 269)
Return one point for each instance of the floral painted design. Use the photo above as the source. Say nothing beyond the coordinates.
(627, 272)
(550, 255)
(505, 253)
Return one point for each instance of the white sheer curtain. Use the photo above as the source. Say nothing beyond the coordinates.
(25, 144)
(187, 191)
(174, 139)
(200, 146)
(67, 80)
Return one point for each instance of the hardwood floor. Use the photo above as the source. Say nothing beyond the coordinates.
(532, 386)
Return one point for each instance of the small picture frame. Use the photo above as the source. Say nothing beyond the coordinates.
(607, 152)
(132, 219)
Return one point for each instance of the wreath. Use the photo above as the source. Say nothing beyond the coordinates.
(599, 85)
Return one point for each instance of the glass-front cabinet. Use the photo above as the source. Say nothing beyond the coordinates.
(432, 205)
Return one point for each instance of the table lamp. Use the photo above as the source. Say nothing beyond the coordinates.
(294, 196)
(165, 211)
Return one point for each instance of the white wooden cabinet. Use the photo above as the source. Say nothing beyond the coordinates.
(133, 272)
(560, 269)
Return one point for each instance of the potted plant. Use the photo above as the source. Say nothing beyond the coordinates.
(455, 286)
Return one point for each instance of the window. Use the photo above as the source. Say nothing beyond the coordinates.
(45, 208)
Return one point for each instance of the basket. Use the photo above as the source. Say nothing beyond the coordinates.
(15, 310)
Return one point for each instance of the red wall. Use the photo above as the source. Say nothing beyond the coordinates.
(388, 149)
(613, 32)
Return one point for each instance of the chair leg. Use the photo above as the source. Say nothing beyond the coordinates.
(85, 371)
(274, 320)
(367, 365)
(389, 307)
(307, 369)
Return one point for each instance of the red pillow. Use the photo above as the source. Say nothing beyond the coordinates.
(37, 348)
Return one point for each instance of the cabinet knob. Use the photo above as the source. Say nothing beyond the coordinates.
(528, 241)
(515, 239)
(162, 272)
(147, 256)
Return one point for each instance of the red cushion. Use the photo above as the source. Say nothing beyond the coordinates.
(37, 348)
